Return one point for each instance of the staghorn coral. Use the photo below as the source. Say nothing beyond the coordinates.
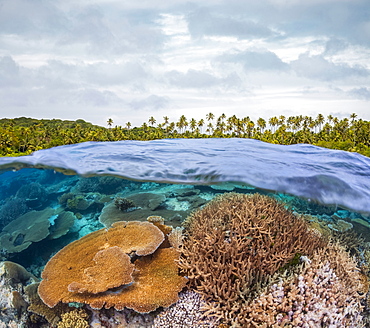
(325, 293)
(77, 318)
(97, 270)
(236, 243)
(176, 238)
(185, 313)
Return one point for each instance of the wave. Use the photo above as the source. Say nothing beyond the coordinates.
(330, 177)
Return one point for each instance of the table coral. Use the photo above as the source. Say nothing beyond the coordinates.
(35, 226)
(112, 268)
(26, 229)
(97, 270)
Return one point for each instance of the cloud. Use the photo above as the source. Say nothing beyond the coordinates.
(316, 67)
(107, 73)
(360, 93)
(33, 19)
(334, 45)
(203, 22)
(9, 72)
(95, 98)
(263, 60)
(201, 80)
(149, 103)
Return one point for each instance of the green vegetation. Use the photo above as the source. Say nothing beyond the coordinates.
(21, 136)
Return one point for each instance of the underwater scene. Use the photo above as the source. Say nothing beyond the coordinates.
(209, 233)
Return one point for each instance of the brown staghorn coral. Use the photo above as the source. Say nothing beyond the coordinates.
(236, 243)
(325, 293)
(97, 270)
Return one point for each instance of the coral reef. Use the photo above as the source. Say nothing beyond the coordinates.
(13, 279)
(236, 243)
(97, 270)
(34, 194)
(325, 293)
(61, 225)
(77, 318)
(185, 313)
(13, 208)
(126, 318)
(40, 311)
(112, 268)
(146, 204)
(124, 204)
(340, 225)
(103, 184)
(35, 226)
(25, 230)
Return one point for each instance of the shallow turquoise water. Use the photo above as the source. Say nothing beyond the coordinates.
(169, 178)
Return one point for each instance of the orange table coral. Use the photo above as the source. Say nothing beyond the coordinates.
(117, 267)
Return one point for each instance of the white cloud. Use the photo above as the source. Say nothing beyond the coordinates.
(203, 22)
(360, 93)
(319, 68)
(105, 58)
(152, 102)
(9, 73)
(256, 60)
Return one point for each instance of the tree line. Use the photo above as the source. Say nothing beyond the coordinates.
(22, 136)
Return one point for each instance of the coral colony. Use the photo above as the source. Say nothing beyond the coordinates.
(109, 253)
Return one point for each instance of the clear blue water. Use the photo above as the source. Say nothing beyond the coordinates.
(326, 176)
(169, 178)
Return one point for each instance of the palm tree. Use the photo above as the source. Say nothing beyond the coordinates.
(128, 125)
(261, 123)
(201, 124)
(152, 120)
(110, 122)
(182, 123)
(193, 124)
(273, 121)
(320, 119)
(209, 128)
(210, 117)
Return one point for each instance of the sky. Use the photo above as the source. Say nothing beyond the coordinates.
(129, 60)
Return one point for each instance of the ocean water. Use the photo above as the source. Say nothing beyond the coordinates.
(316, 174)
(55, 196)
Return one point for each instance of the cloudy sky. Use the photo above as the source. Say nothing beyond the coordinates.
(129, 60)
